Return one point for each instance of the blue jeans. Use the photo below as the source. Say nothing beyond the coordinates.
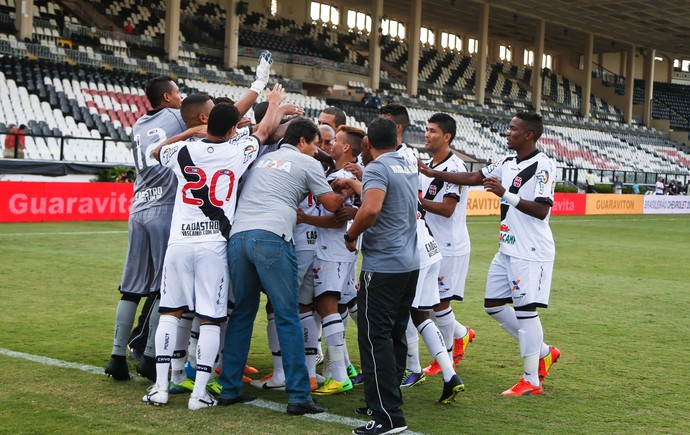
(260, 258)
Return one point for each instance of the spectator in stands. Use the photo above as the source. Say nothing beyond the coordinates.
(15, 142)
(636, 187)
(618, 186)
(376, 101)
(659, 187)
(10, 140)
(332, 116)
(128, 28)
(673, 188)
(589, 181)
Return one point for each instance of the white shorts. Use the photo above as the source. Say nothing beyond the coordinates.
(305, 275)
(195, 278)
(451, 278)
(426, 294)
(335, 277)
(521, 281)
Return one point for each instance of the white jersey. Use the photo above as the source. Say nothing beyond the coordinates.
(450, 232)
(305, 235)
(207, 174)
(409, 154)
(330, 245)
(429, 252)
(532, 179)
(240, 133)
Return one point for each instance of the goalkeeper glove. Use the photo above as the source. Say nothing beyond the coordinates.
(263, 71)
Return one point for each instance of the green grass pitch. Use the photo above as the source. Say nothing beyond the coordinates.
(619, 313)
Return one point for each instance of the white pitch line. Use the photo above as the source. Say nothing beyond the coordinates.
(65, 233)
(259, 403)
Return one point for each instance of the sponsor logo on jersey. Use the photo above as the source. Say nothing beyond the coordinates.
(440, 281)
(168, 153)
(505, 236)
(432, 248)
(311, 237)
(399, 169)
(200, 228)
(517, 182)
(281, 165)
(150, 194)
(516, 285)
(315, 275)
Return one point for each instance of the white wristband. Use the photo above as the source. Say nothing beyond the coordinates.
(258, 86)
(511, 198)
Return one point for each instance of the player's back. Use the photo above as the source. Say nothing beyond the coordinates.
(155, 185)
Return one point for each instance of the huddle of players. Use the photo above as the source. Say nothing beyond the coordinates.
(207, 175)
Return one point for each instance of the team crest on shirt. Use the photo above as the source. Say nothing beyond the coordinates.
(517, 182)
(432, 190)
(248, 151)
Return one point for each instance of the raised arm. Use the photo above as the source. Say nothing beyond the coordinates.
(263, 71)
(462, 178)
(275, 97)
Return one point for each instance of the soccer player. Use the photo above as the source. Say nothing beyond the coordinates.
(334, 270)
(332, 116)
(195, 275)
(520, 273)
(446, 207)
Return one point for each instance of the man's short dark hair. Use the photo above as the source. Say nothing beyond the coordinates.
(155, 89)
(301, 128)
(353, 137)
(534, 123)
(383, 134)
(260, 111)
(218, 100)
(445, 122)
(398, 114)
(190, 107)
(223, 117)
(340, 117)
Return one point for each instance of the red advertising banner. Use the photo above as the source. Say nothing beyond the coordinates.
(569, 203)
(22, 201)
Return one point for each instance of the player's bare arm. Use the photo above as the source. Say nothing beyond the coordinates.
(445, 208)
(537, 209)
(274, 97)
(318, 221)
(199, 130)
(460, 178)
(372, 201)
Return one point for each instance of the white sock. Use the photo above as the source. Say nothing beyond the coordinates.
(460, 330)
(531, 338)
(124, 321)
(333, 335)
(153, 324)
(179, 357)
(166, 337)
(311, 340)
(446, 324)
(274, 345)
(206, 351)
(353, 312)
(545, 349)
(193, 340)
(505, 316)
(412, 348)
(344, 316)
(437, 347)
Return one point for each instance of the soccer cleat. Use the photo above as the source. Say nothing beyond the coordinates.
(305, 408)
(523, 388)
(185, 386)
(213, 387)
(201, 402)
(117, 369)
(147, 370)
(460, 344)
(249, 370)
(331, 386)
(136, 354)
(548, 361)
(374, 428)
(432, 369)
(155, 396)
(246, 379)
(451, 390)
(351, 371)
(267, 383)
(358, 380)
(411, 378)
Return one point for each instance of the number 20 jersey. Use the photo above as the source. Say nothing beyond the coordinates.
(207, 174)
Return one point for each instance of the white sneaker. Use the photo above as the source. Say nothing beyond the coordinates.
(156, 395)
(268, 383)
(205, 401)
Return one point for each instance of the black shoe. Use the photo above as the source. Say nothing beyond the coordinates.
(117, 368)
(242, 398)
(136, 354)
(364, 410)
(451, 390)
(304, 408)
(374, 428)
(147, 368)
